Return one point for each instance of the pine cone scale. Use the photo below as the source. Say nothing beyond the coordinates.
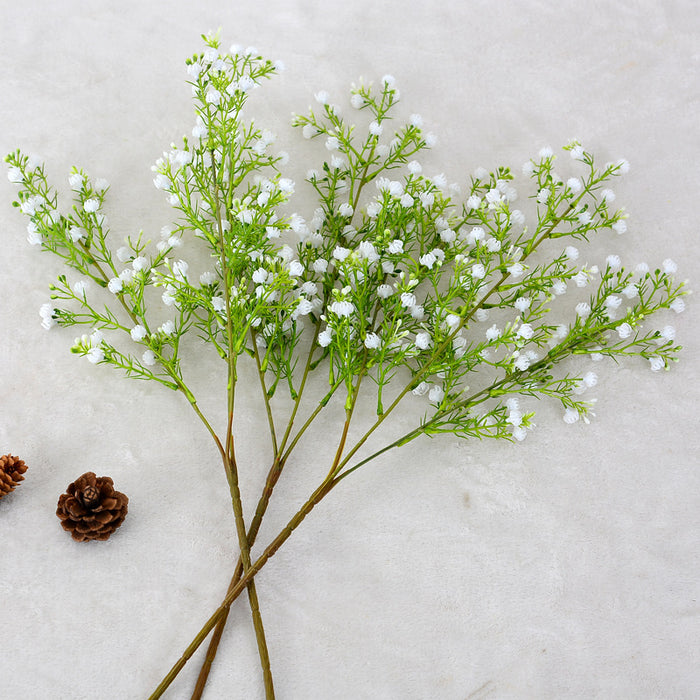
(75, 509)
(105, 517)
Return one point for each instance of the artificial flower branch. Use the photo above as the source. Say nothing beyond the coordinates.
(89, 263)
(337, 466)
(393, 287)
(279, 461)
(335, 475)
(575, 344)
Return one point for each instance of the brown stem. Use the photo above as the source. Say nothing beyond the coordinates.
(247, 577)
(272, 477)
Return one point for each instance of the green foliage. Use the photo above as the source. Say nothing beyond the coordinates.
(392, 279)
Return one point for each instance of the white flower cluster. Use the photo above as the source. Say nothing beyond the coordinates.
(91, 346)
(516, 419)
(47, 313)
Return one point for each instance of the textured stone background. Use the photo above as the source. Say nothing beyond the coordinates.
(563, 567)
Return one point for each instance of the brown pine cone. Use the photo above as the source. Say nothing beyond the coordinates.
(91, 509)
(11, 470)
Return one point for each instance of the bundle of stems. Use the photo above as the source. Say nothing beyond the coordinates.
(390, 288)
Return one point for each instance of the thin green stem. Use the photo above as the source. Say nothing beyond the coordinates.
(302, 386)
(266, 398)
(415, 432)
(346, 426)
(319, 407)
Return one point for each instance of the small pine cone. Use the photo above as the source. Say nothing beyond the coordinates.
(91, 509)
(11, 470)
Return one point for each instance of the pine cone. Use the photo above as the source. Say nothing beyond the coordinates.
(91, 509)
(11, 470)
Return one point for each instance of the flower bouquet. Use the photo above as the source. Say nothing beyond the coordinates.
(466, 298)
